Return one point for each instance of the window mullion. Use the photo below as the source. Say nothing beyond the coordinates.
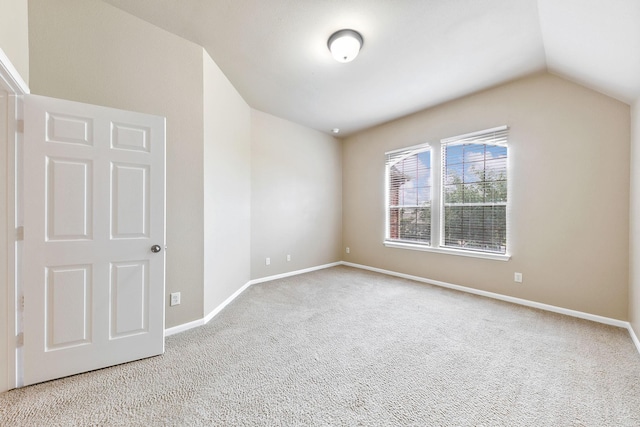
(436, 194)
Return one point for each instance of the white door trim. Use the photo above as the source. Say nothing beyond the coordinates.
(10, 78)
(15, 86)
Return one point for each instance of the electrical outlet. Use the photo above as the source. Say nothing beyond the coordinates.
(348, 250)
(267, 261)
(288, 257)
(517, 277)
(175, 298)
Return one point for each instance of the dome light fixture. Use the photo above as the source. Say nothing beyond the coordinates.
(345, 45)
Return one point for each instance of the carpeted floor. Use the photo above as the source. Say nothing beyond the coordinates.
(347, 347)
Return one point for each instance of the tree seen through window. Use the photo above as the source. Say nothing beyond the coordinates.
(475, 196)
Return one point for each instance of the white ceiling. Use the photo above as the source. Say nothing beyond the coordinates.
(416, 53)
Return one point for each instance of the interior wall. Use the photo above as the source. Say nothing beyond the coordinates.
(89, 51)
(227, 187)
(14, 34)
(634, 247)
(569, 187)
(296, 196)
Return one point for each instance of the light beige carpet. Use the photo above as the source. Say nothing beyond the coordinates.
(347, 347)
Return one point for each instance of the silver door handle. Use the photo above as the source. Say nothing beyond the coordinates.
(156, 248)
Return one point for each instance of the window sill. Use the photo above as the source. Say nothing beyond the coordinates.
(449, 251)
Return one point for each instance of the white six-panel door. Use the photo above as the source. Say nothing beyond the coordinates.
(93, 197)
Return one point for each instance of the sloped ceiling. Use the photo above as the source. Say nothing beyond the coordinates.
(416, 53)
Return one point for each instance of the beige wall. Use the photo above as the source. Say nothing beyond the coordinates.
(634, 255)
(14, 34)
(227, 187)
(569, 149)
(88, 51)
(296, 196)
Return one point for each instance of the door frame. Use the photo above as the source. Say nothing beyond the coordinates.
(10, 218)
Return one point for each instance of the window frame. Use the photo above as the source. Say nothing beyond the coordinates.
(413, 150)
(437, 202)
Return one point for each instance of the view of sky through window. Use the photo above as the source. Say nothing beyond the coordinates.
(416, 172)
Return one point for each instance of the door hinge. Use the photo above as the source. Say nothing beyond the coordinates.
(20, 126)
(20, 233)
(20, 340)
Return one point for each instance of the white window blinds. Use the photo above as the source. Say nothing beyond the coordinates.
(408, 173)
(474, 191)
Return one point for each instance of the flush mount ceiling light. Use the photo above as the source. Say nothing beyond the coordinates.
(345, 45)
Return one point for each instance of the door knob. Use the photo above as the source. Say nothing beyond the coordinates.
(156, 248)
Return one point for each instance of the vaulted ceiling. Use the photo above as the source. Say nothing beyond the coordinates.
(416, 53)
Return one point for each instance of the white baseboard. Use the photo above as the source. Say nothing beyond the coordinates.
(184, 327)
(208, 317)
(520, 301)
(200, 322)
(634, 337)
(226, 302)
(295, 273)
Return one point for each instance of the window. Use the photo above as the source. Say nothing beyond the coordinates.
(409, 206)
(450, 196)
(474, 192)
